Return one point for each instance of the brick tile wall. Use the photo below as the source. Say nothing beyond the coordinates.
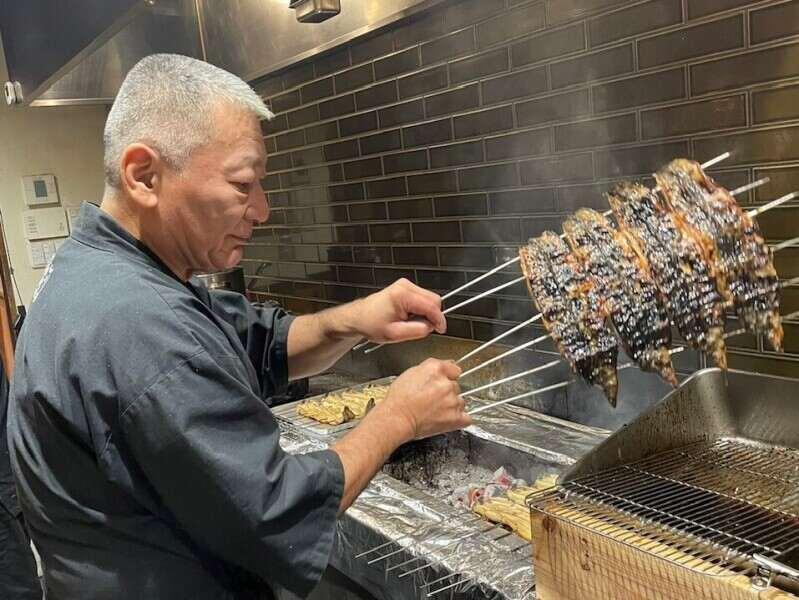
(433, 148)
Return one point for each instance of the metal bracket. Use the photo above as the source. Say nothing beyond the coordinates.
(767, 568)
(13, 92)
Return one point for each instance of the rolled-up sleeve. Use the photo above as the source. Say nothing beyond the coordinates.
(210, 448)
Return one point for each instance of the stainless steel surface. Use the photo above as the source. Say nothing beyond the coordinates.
(229, 279)
(315, 11)
(254, 37)
(288, 412)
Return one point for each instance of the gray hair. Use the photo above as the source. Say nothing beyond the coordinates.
(167, 101)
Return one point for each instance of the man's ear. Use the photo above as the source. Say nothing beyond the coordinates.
(141, 173)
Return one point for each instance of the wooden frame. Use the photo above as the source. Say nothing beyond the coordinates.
(8, 308)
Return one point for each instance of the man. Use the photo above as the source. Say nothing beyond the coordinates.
(146, 457)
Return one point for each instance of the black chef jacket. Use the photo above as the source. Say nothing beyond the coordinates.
(146, 458)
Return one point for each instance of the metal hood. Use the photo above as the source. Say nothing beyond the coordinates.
(78, 52)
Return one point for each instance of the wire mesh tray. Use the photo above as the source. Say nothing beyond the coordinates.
(710, 506)
(288, 412)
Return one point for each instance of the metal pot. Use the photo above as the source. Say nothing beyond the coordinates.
(231, 279)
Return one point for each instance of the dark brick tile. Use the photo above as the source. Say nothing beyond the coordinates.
(732, 180)
(340, 150)
(354, 78)
(299, 216)
(297, 75)
(370, 211)
(641, 160)
(277, 199)
(470, 256)
(386, 188)
(308, 197)
(398, 63)
(462, 205)
(270, 145)
(428, 133)
(701, 8)
(491, 230)
(346, 192)
(486, 330)
(290, 140)
(515, 85)
(453, 101)
(331, 63)
(352, 233)
(787, 263)
(298, 253)
(776, 105)
(485, 307)
(278, 162)
(303, 116)
(381, 142)
(607, 63)
(431, 183)
(516, 310)
(415, 208)
(306, 157)
(271, 182)
(514, 23)
(335, 254)
(456, 154)
(377, 95)
(689, 42)
(789, 301)
(423, 82)
(358, 123)
(340, 293)
(773, 22)
(565, 10)
(332, 213)
(762, 364)
(523, 143)
(367, 49)
(414, 160)
(554, 108)
(440, 280)
(378, 255)
(415, 255)
(481, 65)
(548, 45)
(311, 175)
(420, 29)
(560, 168)
(276, 125)
(640, 91)
(596, 132)
(322, 132)
(745, 69)
(317, 90)
(366, 167)
(488, 177)
(779, 224)
(268, 86)
(390, 232)
(356, 275)
(454, 44)
(641, 18)
(467, 12)
(388, 276)
(285, 101)
(783, 180)
(519, 289)
(522, 202)
(721, 113)
(399, 114)
(338, 106)
(277, 217)
(459, 328)
(572, 197)
(437, 231)
(484, 121)
(753, 147)
(316, 235)
(538, 225)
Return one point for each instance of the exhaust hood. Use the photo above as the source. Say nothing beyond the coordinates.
(79, 52)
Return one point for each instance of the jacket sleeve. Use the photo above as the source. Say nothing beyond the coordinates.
(263, 331)
(209, 447)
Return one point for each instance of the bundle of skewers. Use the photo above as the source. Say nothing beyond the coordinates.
(681, 255)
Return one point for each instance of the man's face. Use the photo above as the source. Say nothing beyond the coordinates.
(212, 205)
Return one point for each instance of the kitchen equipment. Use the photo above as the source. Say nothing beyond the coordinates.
(230, 279)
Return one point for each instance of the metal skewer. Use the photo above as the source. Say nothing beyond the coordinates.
(535, 392)
(518, 348)
(499, 337)
(448, 545)
(790, 282)
(480, 278)
(750, 186)
(785, 244)
(773, 204)
(511, 378)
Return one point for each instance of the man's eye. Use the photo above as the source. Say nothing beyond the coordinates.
(243, 188)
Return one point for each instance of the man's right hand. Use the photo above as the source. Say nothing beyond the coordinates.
(426, 399)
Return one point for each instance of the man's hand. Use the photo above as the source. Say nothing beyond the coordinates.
(402, 311)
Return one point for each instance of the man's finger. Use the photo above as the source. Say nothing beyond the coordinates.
(451, 370)
(422, 306)
(403, 331)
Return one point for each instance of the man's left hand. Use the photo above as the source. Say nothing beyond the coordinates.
(402, 311)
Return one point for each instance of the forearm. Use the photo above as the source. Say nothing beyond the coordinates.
(316, 342)
(365, 449)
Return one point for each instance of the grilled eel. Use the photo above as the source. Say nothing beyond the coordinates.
(678, 264)
(336, 408)
(633, 300)
(572, 310)
(743, 259)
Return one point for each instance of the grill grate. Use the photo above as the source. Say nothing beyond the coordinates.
(710, 505)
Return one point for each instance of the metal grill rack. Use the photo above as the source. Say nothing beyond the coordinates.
(714, 507)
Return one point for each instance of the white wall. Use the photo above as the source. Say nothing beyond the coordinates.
(66, 142)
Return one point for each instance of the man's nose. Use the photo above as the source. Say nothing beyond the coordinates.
(261, 205)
